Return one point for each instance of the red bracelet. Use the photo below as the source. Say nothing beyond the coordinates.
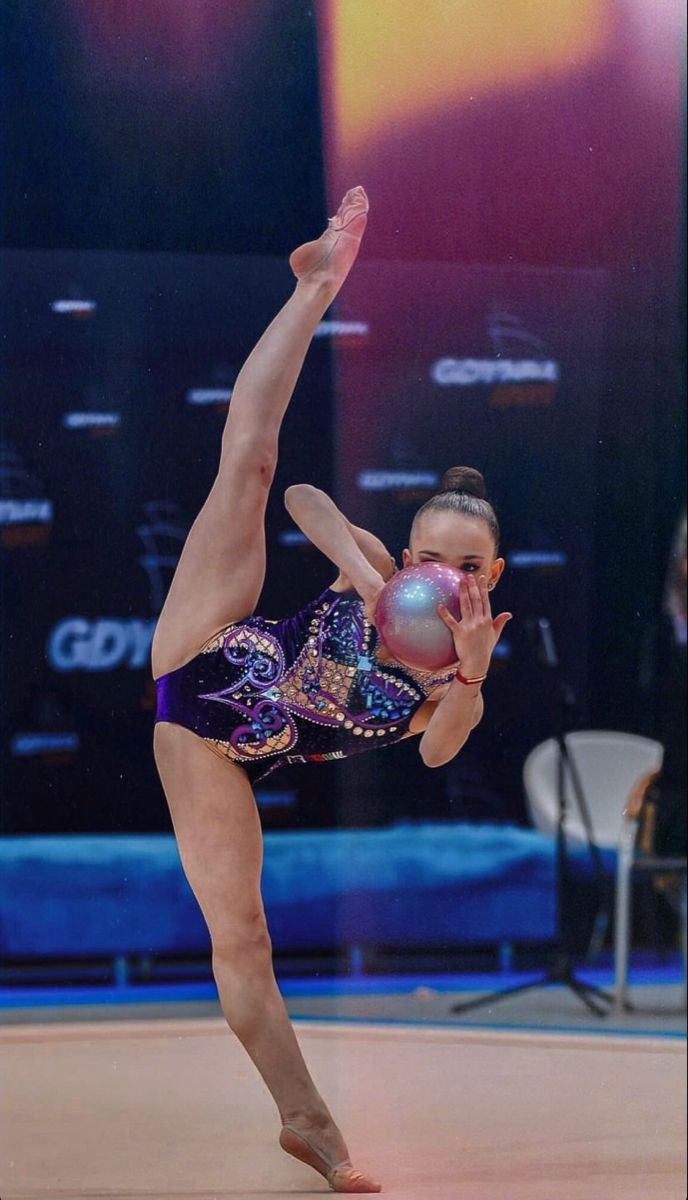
(462, 678)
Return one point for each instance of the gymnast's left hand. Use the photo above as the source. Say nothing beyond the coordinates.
(477, 633)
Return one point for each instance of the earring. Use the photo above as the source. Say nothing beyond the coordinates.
(490, 587)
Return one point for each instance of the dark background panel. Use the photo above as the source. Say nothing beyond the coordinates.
(160, 126)
(83, 589)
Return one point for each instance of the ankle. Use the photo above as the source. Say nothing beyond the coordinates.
(317, 292)
(314, 1117)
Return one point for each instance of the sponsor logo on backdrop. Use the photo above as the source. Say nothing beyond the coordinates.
(516, 379)
(163, 534)
(48, 733)
(202, 396)
(216, 390)
(537, 548)
(524, 395)
(353, 330)
(26, 513)
(28, 745)
(292, 537)
(97, 424)
(525, 560)
(74, 307)
(79, 643)
(508, 334)
(467, 372)
(392, 481)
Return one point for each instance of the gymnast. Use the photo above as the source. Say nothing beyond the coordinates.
(239, 695)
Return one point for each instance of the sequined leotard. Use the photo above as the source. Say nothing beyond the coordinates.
(306, 689)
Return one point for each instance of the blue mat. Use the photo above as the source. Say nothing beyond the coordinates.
(438, 884)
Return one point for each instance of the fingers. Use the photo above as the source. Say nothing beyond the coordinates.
(466, 598)
(470, 603)
(476, 591)
(474, 603)
(484, 596)
(499, 623)
(447, 617)
(475, 597)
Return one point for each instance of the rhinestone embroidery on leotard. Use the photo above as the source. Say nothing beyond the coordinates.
(334, 687)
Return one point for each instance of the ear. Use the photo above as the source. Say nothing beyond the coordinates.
(406, 558)
(497, 569)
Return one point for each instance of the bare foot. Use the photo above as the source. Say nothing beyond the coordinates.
(330, 257)
(324, 1149)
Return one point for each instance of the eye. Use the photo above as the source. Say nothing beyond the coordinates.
(469, 567)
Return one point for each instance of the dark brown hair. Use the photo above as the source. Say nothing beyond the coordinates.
(462, 490)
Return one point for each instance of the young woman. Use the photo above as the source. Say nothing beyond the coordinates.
(239, 695)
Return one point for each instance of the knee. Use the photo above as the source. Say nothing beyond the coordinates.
(242, 944)
(255, 455)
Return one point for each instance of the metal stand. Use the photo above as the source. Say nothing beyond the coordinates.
(560, 969)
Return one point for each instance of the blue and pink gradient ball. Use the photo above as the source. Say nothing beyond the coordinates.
(407, 619)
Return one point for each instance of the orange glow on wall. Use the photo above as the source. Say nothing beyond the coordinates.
(393, 59)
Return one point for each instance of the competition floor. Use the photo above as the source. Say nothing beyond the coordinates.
(129, 1109)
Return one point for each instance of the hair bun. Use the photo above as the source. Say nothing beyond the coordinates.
(463, 479)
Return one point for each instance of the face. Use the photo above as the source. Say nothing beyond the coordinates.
(453, 538)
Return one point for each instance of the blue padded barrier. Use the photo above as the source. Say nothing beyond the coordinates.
(432, 884)
(95, 895)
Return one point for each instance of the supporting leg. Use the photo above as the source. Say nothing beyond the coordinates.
(218, 832)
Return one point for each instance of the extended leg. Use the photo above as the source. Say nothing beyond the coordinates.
(267, 379)
(221, 569)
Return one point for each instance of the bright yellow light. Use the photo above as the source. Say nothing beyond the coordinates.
(395, 59)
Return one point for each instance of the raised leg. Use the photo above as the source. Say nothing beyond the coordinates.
(221, 569)
(218, 832)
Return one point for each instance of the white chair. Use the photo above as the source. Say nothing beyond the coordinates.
(608, 764)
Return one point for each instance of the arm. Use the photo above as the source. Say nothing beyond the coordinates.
(475, 637)
(450, 722)
(363, 561)
(375, 551)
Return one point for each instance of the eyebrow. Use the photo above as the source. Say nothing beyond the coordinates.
(436, 554)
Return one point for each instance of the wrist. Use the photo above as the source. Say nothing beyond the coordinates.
(468, 675)
(471, 665)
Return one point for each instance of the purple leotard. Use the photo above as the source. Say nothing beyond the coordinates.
(306, 689)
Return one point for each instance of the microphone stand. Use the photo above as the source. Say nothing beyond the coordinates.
(560, 969)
